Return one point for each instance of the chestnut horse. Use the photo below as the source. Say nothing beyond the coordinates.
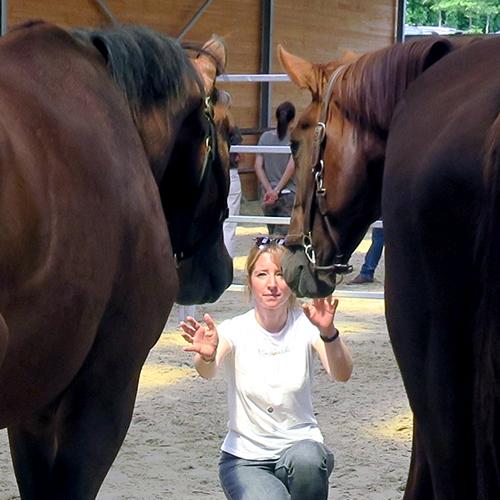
(94, 125)
(413, 132)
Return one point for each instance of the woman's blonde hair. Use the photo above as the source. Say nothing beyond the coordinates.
(276, 252)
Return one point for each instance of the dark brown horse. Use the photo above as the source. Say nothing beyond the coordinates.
(93, 126)
(413, 132)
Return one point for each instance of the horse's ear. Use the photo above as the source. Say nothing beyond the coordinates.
(101, 45)
(299, 70)
(217, 49)
(349, 57)
(211, 62)
(435, 52)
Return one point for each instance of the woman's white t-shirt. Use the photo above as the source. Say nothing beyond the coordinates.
(269, 377)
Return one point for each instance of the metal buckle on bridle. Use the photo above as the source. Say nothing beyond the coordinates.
(179, 256)
(319, 135)
(209, 114)
(209, 109)
(318, 178)
(208, 148)
(340, 268)
(319, 132)
(311, 254)
(308, 248)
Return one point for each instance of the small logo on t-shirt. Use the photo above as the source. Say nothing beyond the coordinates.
(273, 351)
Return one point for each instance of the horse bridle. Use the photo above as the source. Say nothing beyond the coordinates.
(211, 145)
(317, 195)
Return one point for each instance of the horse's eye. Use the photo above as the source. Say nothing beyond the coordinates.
(294, 146)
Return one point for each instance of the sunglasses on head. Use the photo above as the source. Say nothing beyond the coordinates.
(266, 241)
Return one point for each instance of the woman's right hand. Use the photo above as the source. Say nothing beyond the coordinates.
(203, 340)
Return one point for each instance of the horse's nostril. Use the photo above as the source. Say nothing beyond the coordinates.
(294, 146)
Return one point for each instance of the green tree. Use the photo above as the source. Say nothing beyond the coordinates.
(419, 13)
(469, 15)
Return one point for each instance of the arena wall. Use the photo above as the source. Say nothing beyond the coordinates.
(318, 30)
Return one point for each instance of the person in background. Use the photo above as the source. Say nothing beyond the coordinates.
(274, 449)
(234, 197)
(372, 258)
(275, 171)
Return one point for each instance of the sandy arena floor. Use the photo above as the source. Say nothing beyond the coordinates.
(171, 449)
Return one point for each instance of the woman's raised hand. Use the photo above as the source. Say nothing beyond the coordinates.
(202, 339)
(321, 312)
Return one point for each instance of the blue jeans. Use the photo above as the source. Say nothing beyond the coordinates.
(301, 473)
(374, 253)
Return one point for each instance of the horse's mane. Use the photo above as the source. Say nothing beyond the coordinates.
(369, 89)
(150, 68)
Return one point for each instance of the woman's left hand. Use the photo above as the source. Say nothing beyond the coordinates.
(321, 313)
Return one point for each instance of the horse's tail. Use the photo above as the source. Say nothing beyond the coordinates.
(487, 336)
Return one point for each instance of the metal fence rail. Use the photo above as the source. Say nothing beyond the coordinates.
(338, 293)
(263, 219)
(237, 78)
(260, 149)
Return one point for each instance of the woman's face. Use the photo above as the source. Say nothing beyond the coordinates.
(269, 288)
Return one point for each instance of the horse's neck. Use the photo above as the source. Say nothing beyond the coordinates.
(156, 135)
(375, 83)
(159, 130)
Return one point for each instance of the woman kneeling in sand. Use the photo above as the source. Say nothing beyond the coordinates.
(274, 448)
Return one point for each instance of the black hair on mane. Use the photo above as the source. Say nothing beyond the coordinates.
(149, 67)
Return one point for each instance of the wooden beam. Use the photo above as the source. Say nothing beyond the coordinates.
(103, 7)
(3, 17)
(194, 19)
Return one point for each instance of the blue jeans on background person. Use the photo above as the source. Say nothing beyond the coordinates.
(301, 473)
(374, 253)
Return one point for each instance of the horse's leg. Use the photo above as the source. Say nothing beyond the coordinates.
(95, 413)
(32, 444)
(419, 484)
(67, 455)
(428, 310)
(4, 338)
(33, 449)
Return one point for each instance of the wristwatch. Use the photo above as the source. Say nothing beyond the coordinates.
(327, 340)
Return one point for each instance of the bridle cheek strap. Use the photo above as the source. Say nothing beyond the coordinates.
(209, 164)
(317, 197)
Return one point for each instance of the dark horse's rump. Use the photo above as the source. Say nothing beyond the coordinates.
(87, 271)
(487, 379)
(434, 240)
(425, 115)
